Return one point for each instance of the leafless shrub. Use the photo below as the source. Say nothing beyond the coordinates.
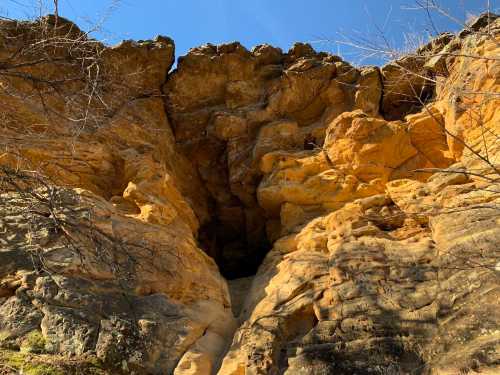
(442, 50)
(60, 212)
(421, 52)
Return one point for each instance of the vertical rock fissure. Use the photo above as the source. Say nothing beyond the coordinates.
(229, 109)
(224, 235)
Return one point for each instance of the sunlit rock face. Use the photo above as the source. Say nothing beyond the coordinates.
(378, 268)
(229, 107)
(354, 211)
(101, 259)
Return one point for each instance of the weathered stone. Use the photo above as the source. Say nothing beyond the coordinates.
(369, 92)
(406, 86)
(381, 210)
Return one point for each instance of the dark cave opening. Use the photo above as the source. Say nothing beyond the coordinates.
(237, 250)
(235, 235)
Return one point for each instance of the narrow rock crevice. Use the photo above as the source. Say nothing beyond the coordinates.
(249, 104)
(236, 255)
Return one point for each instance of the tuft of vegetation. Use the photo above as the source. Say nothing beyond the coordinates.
(41, 369)
(18, 361)
(12, 361)
(34, 342)
(4, 335)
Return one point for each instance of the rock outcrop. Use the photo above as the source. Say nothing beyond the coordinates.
(378, 268)
(100, 255)
(354, 211)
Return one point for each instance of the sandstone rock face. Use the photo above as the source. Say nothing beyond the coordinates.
(101, 257)
(374, 287)
(356, 212)
(116, 285)
(230, 107)
(380, 269)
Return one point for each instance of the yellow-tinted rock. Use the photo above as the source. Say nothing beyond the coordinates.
(348, 281)
(397, 280)
(369, 91)
(428, 136)
(383, 223)
(367, 147)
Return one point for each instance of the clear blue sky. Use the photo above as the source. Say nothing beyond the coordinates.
(278, 22)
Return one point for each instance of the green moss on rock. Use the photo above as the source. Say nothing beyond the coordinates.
(33, 364)
(41, 369)
(34, 342)
(22, 361)
(11, 358)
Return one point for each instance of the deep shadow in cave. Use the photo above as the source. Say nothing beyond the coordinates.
(238, 253)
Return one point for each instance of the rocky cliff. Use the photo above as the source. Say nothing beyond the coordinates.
(249, 212)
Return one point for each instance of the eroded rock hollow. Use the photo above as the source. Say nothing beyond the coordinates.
(249, 212)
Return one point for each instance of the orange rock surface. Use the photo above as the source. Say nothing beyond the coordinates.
(250, 212)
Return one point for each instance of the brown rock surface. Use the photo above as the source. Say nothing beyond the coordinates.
(402, 281)
(120, 214)
(101, 257)
(230, 106)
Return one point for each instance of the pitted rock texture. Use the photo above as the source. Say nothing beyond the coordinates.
(229, 107)
(373, 273)
(356, 209)
(113, 285)
(379, 287)
(100, 257)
